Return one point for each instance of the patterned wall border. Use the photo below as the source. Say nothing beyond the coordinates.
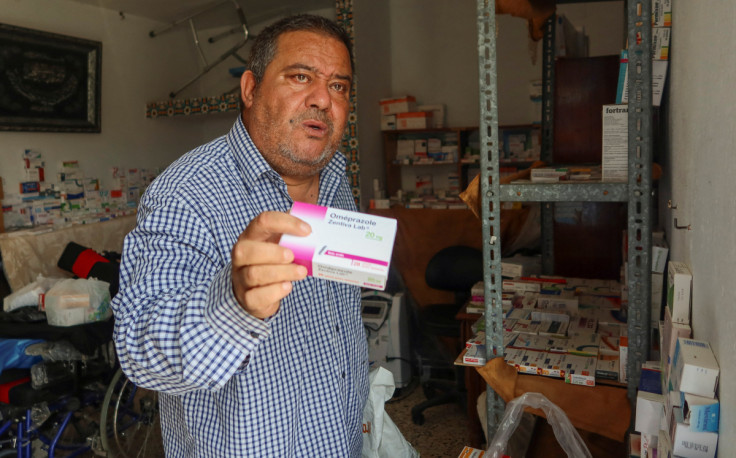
(344, 10)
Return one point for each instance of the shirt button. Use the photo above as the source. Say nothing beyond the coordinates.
(337, 327)
(254, 335)
(343, 374)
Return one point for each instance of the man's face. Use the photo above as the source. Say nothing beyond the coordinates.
(296, 116)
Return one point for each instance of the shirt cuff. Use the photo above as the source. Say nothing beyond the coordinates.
(223, 312)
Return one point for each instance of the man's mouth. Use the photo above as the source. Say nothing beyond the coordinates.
(315, 128)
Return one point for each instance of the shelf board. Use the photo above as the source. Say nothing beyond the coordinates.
(565, 192)
(193, 106)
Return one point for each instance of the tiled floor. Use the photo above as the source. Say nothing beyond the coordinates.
(443, 433)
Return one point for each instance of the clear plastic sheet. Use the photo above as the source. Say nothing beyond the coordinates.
(566, 434)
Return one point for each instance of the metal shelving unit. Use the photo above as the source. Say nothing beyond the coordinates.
(637, 192)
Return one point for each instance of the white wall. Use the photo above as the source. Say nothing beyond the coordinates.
(373, 75)
(135, 70)
(699, 175)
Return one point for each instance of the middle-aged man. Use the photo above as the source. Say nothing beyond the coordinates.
(251, 356)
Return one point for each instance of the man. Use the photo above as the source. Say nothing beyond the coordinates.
(251, 356)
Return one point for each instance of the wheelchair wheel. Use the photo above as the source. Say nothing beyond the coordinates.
(129, 421)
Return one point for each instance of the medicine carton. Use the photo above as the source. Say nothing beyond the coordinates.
(579, 370)
(661, 13)
(700, 412)
(679, 279)
(397, 105)
(689, 443)
(414, 120)
(615, 157)
(388, 122)
(344, 246)
(695, 368)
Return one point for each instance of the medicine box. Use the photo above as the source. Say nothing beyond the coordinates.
(679, 280)
(414, 120)
(660, 249)
(552, 365)
(615, 156)
(689, 443)
(700, 412)
(649, 410)
(579, 370)
(398, 105)
(660, 43)
(661, 13)
(344, 246)
(695, 369)
(388, 122)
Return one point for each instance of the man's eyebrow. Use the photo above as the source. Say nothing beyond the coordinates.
(299, 66)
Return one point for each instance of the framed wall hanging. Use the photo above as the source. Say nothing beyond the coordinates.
(48, 82)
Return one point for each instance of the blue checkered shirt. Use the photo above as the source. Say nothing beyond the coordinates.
(233, 385)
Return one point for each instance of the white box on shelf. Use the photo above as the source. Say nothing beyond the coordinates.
(688, 443)
(438, 113)
(388, 122)
(660, 249)
(615, 153)
(649, 411)
(397, 105)
(414, 120)
(661, 43)
(679, 280)
(695, 369)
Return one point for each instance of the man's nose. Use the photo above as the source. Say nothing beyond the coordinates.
(319, 95)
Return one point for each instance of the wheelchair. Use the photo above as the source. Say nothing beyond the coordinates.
(76, 401)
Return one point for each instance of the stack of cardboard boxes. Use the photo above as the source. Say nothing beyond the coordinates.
(677, 409)
(401, 113)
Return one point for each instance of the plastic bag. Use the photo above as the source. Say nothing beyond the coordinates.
(12, 354)
(566, 434)
(83, 300)
(29, 294)
(381, 436)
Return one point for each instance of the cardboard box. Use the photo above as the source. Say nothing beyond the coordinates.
(670, 333)
(695, 369)
(656, 299)
(607, 368)
(679, 280)
(558, 303)
(397, 105)
(388, 122)
(623, 358)
(688, 443)
(661, 13)
(551, 365)
(414, 120)
(660, 250)
(405, 150)
(438, 113)
(701, 413)
(420, 148)
(344, 246)
(582, 325)
(584, 344)
(579, 370)
(661, 43)
(615, 155)
(529, 363)
(649, 410)
(531, 342)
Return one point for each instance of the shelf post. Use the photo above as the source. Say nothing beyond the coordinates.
(640, 190)
(490, 196)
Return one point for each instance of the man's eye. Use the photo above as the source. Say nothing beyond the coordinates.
(340, 87)
(302, 78)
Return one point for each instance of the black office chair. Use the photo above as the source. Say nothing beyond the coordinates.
(457, 269)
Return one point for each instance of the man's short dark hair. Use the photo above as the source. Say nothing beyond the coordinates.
(266, 43)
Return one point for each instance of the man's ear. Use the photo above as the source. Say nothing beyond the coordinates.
(247, 88)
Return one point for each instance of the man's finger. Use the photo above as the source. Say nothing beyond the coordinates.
(268, 226)
(249, 253)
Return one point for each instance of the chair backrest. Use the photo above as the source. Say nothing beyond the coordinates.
(456, 268)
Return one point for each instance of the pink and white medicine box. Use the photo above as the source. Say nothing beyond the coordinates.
(344, 246)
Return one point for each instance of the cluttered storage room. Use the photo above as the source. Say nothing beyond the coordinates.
(351, 228)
